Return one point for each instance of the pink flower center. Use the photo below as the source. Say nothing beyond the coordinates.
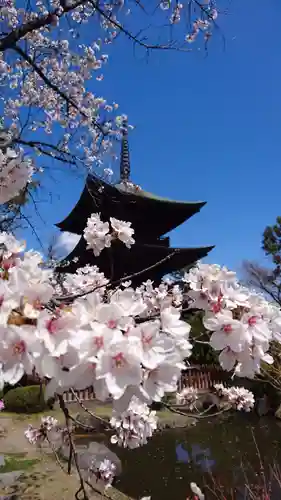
(37, 305)
(119, 360)
(51, 325)
(112, 323)
(19, 347)
(227, 328)
(146, 339)
(8, 263)
(98, 341)
(252, 321)
(216, 307)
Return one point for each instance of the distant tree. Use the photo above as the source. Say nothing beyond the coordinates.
(267, 279)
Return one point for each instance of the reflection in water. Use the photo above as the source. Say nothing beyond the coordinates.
(198, 456)
(222, 450)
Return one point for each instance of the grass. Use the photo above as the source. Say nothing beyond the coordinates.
(14, 463)
(103, 411)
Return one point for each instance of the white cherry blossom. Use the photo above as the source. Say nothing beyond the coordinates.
(187, 397)
(96, 234)
(15, 173)
(172, 324)
(123, 231)
(134, 426)
(120, 366)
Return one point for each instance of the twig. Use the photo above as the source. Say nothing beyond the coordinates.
(86, 409)
(56, 454)
(193, 415)
(96, 490)
(117, 282)
(17, 34)
(85, 426)
(72, 449)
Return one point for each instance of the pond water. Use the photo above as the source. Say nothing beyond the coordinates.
(228, 451)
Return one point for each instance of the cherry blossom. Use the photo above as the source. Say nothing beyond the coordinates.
(123, 231)
(197, 491)
(96, 234)
(15, 174)
(241, 322)
(239, 397)
(34, 435)
(187, 397)
(107, 471)
(84, 279)
(47, 81)
(129, 344)
(134, 426)
(99, 235)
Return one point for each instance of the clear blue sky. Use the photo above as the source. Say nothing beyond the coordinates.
(207, 128)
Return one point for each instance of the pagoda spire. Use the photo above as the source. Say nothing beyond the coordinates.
(125, 168)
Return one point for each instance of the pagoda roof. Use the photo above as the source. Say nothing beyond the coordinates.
(118, 261)
(149, 214)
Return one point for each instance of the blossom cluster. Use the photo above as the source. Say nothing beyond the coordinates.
(204, 17)
(105, 339)
(34, 435)
(187, 397)
(15, 173)
(107, 471)
(47, 81)
(134, 426)
(125, 342)
(54, 88)
(242, 323)
(85, 279)
(239, 397)
(99, 234)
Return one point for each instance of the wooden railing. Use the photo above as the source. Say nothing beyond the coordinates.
(85, 395)
(199, 377)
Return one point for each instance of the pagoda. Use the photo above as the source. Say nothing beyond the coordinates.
(152, 217)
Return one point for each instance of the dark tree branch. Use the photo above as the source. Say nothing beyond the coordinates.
(73, 449)
(116, 282)
(40, 145)
(9, 41)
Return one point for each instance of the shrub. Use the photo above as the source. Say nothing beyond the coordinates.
(29, 399)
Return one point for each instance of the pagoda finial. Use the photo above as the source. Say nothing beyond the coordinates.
(125, 168)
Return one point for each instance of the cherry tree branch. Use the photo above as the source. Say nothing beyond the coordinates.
(104, 422)
(129, 35)
(116, 282)
(54, 87)
(55, 454)
(204, 414)
(72, 448)
(70, 158)
(9, 41)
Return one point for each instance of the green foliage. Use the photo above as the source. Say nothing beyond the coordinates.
(13, 464)
(271, 244)
(28, 399)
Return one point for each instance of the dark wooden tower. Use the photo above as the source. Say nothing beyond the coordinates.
(152, 217)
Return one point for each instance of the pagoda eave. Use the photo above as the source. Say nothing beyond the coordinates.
(149, 214)
(144, 261)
